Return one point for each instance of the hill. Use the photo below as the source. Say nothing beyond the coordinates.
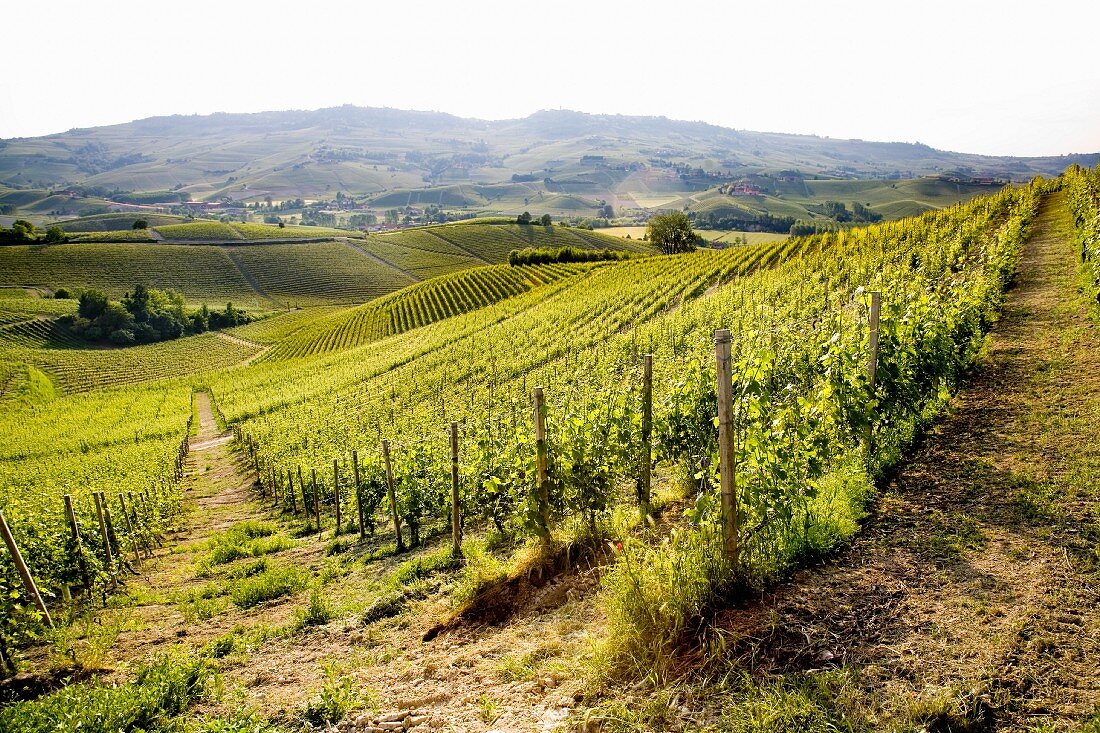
(401, 158)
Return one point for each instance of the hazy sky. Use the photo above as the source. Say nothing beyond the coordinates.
(989, 77)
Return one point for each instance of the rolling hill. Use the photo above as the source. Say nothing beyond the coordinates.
(403, 158)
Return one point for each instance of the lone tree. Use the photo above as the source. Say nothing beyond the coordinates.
(140, 224)
(672, 233)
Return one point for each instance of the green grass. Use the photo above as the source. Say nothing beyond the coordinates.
(272, 583)
(149, 702)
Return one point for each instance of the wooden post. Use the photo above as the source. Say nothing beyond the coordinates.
(726, 456)
(129, 528)
(98, 497)
(290, 491)
(543, 488)
(392, 497)
(358, 494)
(75, 530)
(134, 511)
(24, 572)
(316, 498)
(336, 494)
(456, 512)
(872, 364)
(647, 431)
(305, 497)
(872, 355)
(111, 526)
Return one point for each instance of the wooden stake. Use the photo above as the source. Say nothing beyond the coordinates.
(74, 528)
(358, 493)
(316, 498)
(24, 572)
(647, 431)
(305, 498)
(134, 511)
(872, 364)
(456, 512)
(392, 497)
(543, 487)
(290, 491)
(129, 528)
(98, 497)
(336, 494)
(726, 455)
(872, 356)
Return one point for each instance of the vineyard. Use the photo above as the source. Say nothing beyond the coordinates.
(568, 413)
(1083, 189)
(493, 242)
(202, 274)
(415, 306)
(804, 401)
(299, 275)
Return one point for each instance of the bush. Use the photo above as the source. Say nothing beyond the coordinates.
(547, 256)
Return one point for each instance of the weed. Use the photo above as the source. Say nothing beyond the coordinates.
(270, 584)
(426, 565)
(488, 708)
(317, 612)
(336, 699)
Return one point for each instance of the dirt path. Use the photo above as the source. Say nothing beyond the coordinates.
(971, 596)
(261, 349)
(248, 276)
(371, 255)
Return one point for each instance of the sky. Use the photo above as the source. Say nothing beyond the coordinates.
(999, 78)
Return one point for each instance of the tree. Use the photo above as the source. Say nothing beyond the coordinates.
(524, 218)
(140, 224)
(55, 235)
(545, 220)
(671, 232)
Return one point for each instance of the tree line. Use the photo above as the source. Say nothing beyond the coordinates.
(145, 316)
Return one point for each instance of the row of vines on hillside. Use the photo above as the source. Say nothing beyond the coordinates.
(803, 399)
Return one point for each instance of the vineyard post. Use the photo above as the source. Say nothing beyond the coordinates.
(456, 514)
(358, 494)
(111, 526)
(872, 359)
(290, 491)
(24, 572)
(726, 456)
(274, 486)
(134, 511)
(98, 497)
(316, 498)
(305, 497)
(336, 493)
(75, 530)
(647, 430)
(129, 528)
(393, 499)
(543, 489)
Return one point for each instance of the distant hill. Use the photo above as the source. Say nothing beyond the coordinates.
(557, 161)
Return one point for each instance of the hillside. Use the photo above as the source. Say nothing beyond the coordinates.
(353, 517)
(560, 160)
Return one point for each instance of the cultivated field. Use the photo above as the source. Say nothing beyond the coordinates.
(720, 490)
